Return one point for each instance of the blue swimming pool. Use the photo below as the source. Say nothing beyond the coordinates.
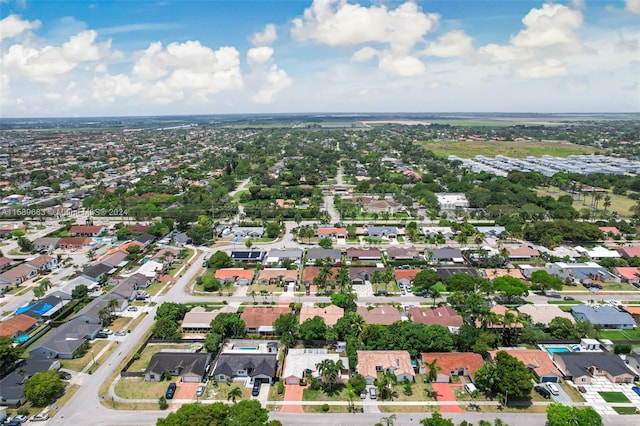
(21, 339)
(247, 348)
(557, 350)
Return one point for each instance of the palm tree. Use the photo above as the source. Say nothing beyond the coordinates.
(376, 278)
(388, 421)
(104, 315)
(607, 202)
(234, 393)
(343, 279)
(435, 293)
(112, 305)
(330, 372)
(432, 374)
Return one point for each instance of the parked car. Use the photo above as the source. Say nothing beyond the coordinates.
(101, 335)
(553, 389)
(568, 298)
(363, 395)
(171, 390)
(582, 389)
(132, 308)
(64, 375)
(1, 295)
(544, 392)
(42, 417)
(256, 388)
(372, 393)
(200, 390)
(120, 333)
(636, 390)
(20, 418)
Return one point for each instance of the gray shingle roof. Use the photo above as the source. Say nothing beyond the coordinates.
(182, 362)
(259, 364)
(603, 314)
(578, 363)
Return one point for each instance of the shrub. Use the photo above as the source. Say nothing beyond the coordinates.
(162, 403)
(622, 348)
(280, 388)
(136, 356)
(325, 407)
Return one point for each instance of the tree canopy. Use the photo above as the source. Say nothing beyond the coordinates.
(43, 387)
(563, 415)
(244, 413)
(506, 376)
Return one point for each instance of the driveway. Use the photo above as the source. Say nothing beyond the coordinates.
(186, 390)
(292, 393)
(562, 396)
(445, 393)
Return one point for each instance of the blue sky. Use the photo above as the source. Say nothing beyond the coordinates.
(143, 57)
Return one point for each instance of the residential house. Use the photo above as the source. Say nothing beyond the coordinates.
(544, 314)
(453, 364)
(311, 272)
(395, 253)
(116, 260)
(45, 308)
(43, 262)
(64, 341)
(336, 233)
(145, 239)
(150, 270)
(383, 315)
(241, 232)
(239, 366)
(303, 364)
(598, 253)
(362, 274)
(604, 316)
(445, 316)
(330, 314)
(389, 232)
(582, 367)
(261, 319)
(17, 275)
(405, 276)
(247, 256)
(97, 271)
(523, 253)
(380, 206)
(277, 276)
(434, 231)
(12, 385)
(189, 366)
(46, 243)
(630, 274)
(364, 255)
(491, 231)
(5, 262)
(17, 326)
(74, 243)
(445, 272)
(87, 230)
(235, 275)
(138, 229)
(139, 281)
(538, 362)
(629, 251)
(93, 311)
(451, 201)
(181, 239)
(581, 272)
(275, 257)
(444, 256)
(322, 254)
(198, 320)
(398, 363)
(493, 273)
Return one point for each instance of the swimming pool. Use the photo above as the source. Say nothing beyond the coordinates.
(247, 348)
(22, 338)
(557, 350)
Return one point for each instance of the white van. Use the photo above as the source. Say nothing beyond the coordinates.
(470, 387)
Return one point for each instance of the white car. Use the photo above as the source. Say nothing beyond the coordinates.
(553, 389)
(42, 417)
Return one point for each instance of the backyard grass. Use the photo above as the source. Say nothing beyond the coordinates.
(138, 388)
(573, 393)
(626, 410)
(614, 397)
(77, 364)
(466, 149)
(151, 349)
(621, 334)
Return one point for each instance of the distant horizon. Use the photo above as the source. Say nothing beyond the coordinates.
(76, 58)
(351, 114)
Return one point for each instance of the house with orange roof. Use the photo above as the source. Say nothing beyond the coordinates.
(329, 314)
(238, 276)
(43, 262)
(332, 233)
(86, 230)
(261, 319)
(523, 253)
(609, 230)
(398, 363)
(310, 272)
(445, 316)
(634, 311)
(538, 362)
(74, 243)
(630, 274)
(501, 311)
(17, 326)
(491, 273)
(628, 252)
(405, 276)
(383, 315)
(454, 364)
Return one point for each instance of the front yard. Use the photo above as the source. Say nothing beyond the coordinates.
(138, 388)
(145, 356)
(77, 364)
(615, 397)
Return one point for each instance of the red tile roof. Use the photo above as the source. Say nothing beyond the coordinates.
(384, 315)
(20, 323)
(445, 316)
(235, 273)
(450, 362)
(255, 317)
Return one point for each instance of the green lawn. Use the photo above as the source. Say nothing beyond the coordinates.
(626, 410)
(614, 397)
(465, 149)
(319, 395)
(77, 364)
(138, 388)
(622, 334)
(146, 354)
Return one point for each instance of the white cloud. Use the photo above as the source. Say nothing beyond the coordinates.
(633, 6)
(49, 62)
(12, 26)
(108, 87)
(276, 80)
(401, 66)
(259, 55)
(449, 45)
(540, 49)
(365, 54)
(338, 23)
(266, 37)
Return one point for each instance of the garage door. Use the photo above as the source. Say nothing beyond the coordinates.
(292, 381)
